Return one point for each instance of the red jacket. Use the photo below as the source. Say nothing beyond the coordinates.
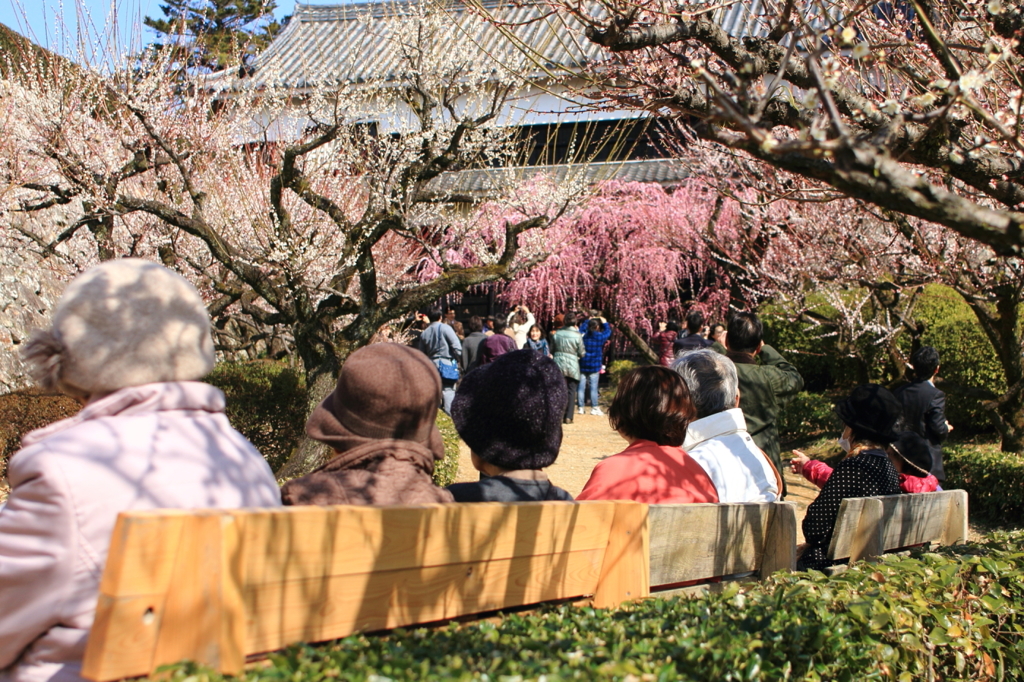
(651, 473)
(661, 343)
(818, 472)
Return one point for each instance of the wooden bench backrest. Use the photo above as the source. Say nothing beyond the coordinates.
(692, 542)
(215, 586)
(868, 526)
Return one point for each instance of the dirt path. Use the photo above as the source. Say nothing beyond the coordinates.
(589, 439)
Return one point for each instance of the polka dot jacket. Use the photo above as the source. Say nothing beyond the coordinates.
(866, 475)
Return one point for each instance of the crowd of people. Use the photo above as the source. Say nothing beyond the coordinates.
(131, 340)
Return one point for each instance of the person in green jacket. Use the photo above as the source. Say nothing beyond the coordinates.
(766, 380)
(567, 349)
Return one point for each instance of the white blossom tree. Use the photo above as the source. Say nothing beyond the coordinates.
(330, 231)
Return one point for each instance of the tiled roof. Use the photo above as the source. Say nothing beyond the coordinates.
(353, 43)
(477, 184)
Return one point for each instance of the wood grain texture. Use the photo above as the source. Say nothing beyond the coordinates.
(336, 606)
(698, 541)
(193, 624)
(869, 526)
(140, 562)
(625, 570)
(301, 542)
(956, 529)
(866, 541)
(225, 584)
(780, 541)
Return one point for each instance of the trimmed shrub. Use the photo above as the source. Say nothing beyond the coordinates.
(803, 346)
(993, 479)
(967, 356)
(951, 615)
(617, 369)
(266, 402)
(447, 469)
(807, 416)
(28, 410)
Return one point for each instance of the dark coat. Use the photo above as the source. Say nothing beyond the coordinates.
(508, 488)
(767, 381)
(690, 342)
(494, 346)
(471, 350)
(924, 410)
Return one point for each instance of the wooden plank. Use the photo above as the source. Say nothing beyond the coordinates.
(232, 634)
(139, 566)
(779, 552)
(625, 571)
(956, 529)
(192, 624)
(698, 541)
(302, 542)
(312, 610)
(864, 530)
(244, 581)
(846, 525)
(914, 519)
(123, 637)
(867, 538)
(141, 555)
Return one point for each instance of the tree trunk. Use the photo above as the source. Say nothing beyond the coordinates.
(322, 363)
(1002, 328)
(636, 340)
(323, 355)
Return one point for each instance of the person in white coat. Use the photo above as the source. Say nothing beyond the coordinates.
(718, 438)
(129, 339)
(520, 321)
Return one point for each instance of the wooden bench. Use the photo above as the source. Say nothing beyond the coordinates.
(870, 526)
(692, 543)
(218, 586)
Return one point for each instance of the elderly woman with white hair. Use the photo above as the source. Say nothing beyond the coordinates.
(129, 339)
(718, 438)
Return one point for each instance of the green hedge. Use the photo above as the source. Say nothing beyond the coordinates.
(993, 479)
(801, 344)
(808, 416)
(618, 369)
(952, 615)
(967, 356)
(266, 402)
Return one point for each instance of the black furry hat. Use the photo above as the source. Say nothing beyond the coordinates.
(872, 412)
(510, 411)
(914, 449)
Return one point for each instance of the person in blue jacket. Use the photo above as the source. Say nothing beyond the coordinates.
(598, 331)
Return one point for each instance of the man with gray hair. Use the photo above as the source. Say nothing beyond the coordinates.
(718, 439)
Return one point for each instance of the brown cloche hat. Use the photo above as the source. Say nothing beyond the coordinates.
(385, 391)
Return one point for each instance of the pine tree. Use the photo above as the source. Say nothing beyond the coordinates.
(212, 35)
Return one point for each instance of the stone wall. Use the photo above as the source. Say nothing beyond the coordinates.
(27, 296)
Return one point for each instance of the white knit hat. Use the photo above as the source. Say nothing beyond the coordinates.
(123, 323)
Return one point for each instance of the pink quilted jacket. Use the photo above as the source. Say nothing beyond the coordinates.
(165, 445)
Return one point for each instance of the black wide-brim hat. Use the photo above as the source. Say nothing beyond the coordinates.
(872, 412)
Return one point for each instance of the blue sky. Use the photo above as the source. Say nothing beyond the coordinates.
(55, 23)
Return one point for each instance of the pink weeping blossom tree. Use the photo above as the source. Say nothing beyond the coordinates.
(635, 251)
